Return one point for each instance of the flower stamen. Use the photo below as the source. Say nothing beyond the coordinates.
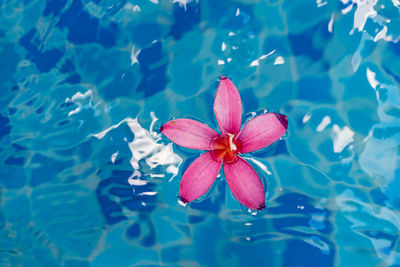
(232, 145)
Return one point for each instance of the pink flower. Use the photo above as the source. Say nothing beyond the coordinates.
(223, 149)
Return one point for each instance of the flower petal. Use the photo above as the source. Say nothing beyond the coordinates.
(189, 133)
(199, 177)
(245, 184)
(228, 107)
(261, 131)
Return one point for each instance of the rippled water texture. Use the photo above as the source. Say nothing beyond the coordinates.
(88, 180)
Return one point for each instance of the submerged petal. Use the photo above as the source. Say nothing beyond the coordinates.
(228, 107)
(261, 131)
(189, 133)
(199, 177)
(245, 184)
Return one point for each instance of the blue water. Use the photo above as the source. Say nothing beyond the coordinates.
(87, 179)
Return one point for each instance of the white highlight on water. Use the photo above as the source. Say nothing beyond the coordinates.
(223, 46)
(114, 156)
(79, 96)
(279, 60)
(330, 24)
(260, 165)
(182, 2)
(320, 3)
(365, 9)
(371, 79)
(146, 146)
(306, 117)
(341, 137)
(325, 122)
(237, 12)
(257, 61)
(134, 54)
(134, 8)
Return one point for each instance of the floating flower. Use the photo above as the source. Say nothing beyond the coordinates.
(223, 149)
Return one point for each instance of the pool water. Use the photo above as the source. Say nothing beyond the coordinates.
(87, 179)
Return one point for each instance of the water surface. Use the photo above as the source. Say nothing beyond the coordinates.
(87, 179)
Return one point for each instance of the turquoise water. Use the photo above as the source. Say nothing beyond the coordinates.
(87, 179)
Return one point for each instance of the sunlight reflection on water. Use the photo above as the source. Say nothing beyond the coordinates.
(146, 146)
